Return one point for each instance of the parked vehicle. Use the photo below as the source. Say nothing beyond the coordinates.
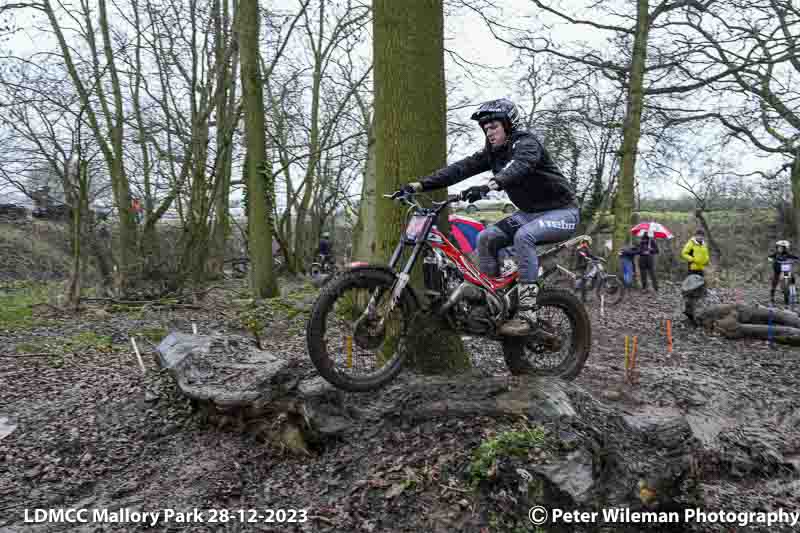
(494, 201)
(604, 284)
(52, 212)
(12, 212)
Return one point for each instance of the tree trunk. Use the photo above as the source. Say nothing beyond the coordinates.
(796, 195)
(259, 175)
(364, 234)
(623, 205)
(410, 120)
(226, 104)
(119, 179)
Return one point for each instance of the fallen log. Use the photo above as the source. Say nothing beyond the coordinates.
(752, 321)
(762, 315)
(779, 334)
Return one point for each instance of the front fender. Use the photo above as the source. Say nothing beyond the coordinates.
(362, 265)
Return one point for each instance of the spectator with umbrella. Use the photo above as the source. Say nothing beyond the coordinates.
(647, 250)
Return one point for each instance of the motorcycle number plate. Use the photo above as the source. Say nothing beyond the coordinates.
(786, 267)
(415, 227)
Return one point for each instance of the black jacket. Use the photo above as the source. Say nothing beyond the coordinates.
(647, 247)
(522, 167)
(324, 247)
(777, 258)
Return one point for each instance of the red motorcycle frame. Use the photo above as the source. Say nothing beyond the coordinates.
(421, 231)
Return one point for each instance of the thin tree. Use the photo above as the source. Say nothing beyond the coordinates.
(259, 174)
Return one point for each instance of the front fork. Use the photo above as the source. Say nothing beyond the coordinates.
(399, 285)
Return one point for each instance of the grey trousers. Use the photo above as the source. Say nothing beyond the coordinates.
(524, 231)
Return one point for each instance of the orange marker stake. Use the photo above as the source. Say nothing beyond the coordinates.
(627, 357)
(669, 336)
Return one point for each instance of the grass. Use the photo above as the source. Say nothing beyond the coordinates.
(508, 443)
(154, 335)
(16, 302)
(80, 342)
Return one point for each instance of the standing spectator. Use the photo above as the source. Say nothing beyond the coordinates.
(696, 253)
(627, 255)
(647, 261)
(136, 208)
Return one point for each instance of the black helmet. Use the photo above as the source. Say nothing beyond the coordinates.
(502, 109)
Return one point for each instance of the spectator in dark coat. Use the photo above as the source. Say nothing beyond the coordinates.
(647, 261)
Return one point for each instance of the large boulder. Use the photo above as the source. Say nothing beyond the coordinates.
(592, 456)
(227, 371)
(233, 383)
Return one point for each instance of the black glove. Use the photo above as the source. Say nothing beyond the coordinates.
(408, 189)
(475, 193)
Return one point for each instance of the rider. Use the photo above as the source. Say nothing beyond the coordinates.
(585, 258)
(523, 168)
(325, 247)
(781, 254)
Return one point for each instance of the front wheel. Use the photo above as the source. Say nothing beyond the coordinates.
(353, 340)
(563, 339)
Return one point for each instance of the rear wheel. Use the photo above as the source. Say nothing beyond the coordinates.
(563, 340)
(509, 209)
(612, 290)
(353, 349)
(471, 209)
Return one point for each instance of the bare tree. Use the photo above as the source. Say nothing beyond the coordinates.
(259, 175)
(654, 55)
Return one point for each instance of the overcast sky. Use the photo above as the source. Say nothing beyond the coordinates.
(466, 34)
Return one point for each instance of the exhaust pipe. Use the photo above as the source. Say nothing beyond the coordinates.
(464, 290)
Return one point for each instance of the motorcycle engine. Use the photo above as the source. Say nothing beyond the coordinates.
(441, 275)
(470, 312)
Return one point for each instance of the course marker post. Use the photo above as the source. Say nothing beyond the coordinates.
(627, 357)
(669, 336)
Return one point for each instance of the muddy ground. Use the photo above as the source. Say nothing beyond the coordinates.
(93, 432)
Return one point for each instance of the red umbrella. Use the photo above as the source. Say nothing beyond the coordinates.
(653, 229)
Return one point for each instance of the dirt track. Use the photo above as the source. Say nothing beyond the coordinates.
(93, 433)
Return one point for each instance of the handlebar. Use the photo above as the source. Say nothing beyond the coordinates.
(408, 198)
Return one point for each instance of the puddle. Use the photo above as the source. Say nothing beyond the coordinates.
(7, 427)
